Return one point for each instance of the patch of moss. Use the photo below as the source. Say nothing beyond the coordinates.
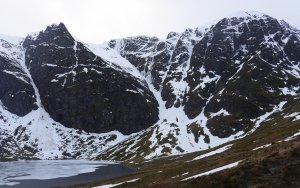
(166, 150)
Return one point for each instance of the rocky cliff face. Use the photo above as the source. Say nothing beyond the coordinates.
(217, 83)
(81, 90)
(16, 91)
(247, 57)
(188, 92)
(60, 100)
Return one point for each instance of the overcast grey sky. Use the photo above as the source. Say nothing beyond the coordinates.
(99, 20)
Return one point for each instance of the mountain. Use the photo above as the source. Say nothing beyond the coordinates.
(56, 82)
(62, 98)
(81, 90)
(213, 84)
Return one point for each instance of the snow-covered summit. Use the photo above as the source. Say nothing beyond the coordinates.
(57, 25)
(247, 14)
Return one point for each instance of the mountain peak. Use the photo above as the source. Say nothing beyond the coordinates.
(247, 14)
(57, 28)
(56, 33)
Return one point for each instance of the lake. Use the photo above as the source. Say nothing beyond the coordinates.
(53, 173)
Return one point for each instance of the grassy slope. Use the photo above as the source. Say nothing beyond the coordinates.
(277, 165)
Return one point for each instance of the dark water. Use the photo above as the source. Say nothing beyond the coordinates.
(102, 171)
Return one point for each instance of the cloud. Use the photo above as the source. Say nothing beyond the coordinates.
(100, 20)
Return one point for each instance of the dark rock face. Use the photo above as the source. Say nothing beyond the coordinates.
(81, 90)
(16, 92)
(242, 65)
(249, 69)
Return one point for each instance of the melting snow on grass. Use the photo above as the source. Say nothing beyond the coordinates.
(260, 147)
(231, 165)
(292, 137)
(114, 185)
(220, 150)
(295, 116)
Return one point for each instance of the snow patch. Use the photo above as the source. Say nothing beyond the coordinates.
(261, 147)
(114, 185)
(292, 137)
(217, 151)
(231, 165)
(222, 112)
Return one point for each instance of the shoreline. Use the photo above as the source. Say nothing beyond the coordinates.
(101, 173)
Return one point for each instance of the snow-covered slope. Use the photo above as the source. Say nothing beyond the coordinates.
(37, 135)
